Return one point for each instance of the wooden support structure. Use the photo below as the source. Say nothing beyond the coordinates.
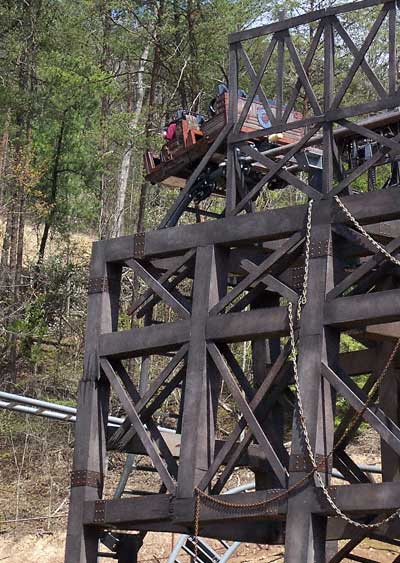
(227, 283)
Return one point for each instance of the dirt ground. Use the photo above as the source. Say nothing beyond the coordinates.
(44, 547)
(43, 541)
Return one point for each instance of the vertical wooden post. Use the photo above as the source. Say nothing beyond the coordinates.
(280, 72)
(392, 44)
(328, 140)
(146, 360)
(89, 464)
(264, 353)
(202, 380)
(305, 532)
(128, 548)
(389, 400)
(231, 188)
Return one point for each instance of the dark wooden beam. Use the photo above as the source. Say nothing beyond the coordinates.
(202, 382)
(149, 339)
(373, 207)
(306, 18)
(92, 414)
(359, 310)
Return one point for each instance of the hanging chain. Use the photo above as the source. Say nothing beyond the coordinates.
(201, 496)
(354, 421)
(358, 415)
(303, 297)
(378, 246)
(196, 522)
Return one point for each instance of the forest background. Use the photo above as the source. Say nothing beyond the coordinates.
(85, 88)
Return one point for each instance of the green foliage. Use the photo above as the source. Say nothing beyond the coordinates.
(70, 79)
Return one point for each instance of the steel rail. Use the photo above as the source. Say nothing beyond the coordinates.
(28, 405)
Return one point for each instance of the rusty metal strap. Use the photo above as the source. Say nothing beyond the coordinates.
(99, 512)
(85, 479)
(300, 463)
(297, 278)
(97, 285)
(321, 248)
(138, 245)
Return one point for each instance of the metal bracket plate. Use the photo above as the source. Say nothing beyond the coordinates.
(85, 479)
(300, 463)
(138, 245)
(321, 248)
(273, 507)
(97, 285)
(297, 278)
(99, 512)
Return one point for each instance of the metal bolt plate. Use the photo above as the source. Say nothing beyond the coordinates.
(85, 479)
(97, 285)
(138, 245)
(301, 463)
(99, 512)
(297, 278)
(321, 248)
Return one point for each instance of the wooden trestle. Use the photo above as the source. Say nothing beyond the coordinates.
(229, 281)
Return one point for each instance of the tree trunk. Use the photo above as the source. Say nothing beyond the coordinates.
(103, 228)
(135, 106)
(3, 158)
(53, 193)
(13, 243)
(193, 77)
(155, 73)
(179, 51)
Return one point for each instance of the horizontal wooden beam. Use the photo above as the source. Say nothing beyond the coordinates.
(162, 511)
(148, 339)
(135, 446)
(275, 224)
(343, 312)
(237, 327)
(359, 362)
(303, 19)
(364, 498)
(232, 327)
(154, 508)
(359, 310)
(249, 531)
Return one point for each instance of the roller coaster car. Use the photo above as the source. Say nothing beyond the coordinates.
(189, 136)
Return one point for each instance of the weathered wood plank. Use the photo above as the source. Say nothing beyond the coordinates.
(247, 411)
(387, 429)
(358, 310)
(257, 273)
(306, 537)
(92, 416)
(159, 289)
(202, 384)
(151, 447)
(271, 225)
(306, 18)
(148, 339)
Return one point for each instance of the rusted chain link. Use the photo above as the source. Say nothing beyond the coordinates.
(303, 297)
(378, 246)
(355, 419)
(201, 496)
